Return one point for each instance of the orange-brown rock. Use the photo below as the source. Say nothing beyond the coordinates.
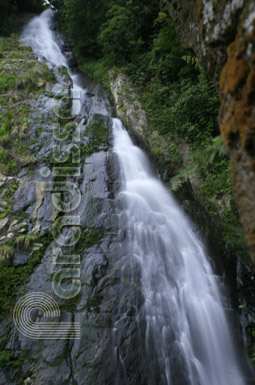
(222, 34)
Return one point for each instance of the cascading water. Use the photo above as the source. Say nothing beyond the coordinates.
(40, 37)
(183, 308)
(187, 337)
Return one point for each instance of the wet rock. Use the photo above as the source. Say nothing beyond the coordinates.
(28, 381)
(130, 111)
(17, 227)
(3, 223)
(24, 195)
(20, 258)
(222, 34)
(3, 179)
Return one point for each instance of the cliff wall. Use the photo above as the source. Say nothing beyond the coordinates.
(222, 35)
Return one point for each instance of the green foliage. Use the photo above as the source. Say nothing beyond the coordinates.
(234, 236)
(5, 356)
(115, 28)
(178, 98)
(217, 179)
(100, 126)
(6, 9)
(10, 20)
(7, 82)
(194, 110)
(97, 69)
(12, 277)
(26, 240)
(89, 237)
(8, 361)
(167, 52)
(210, 160)
(29, 5)
(22, 80)
(117, 36)
(6, 254)
(3, 155)
(82, 21)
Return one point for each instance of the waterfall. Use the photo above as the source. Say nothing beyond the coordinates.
(39, 35)
(183, 323)
(183, 309)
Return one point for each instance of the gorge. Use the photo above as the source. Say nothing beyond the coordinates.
(151, 307)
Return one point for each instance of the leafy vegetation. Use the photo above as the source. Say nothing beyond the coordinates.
(21, 79)
(6, 254)
(10, 10)
(12, 277)
(179, 100)
(136, 37)
(26, 240)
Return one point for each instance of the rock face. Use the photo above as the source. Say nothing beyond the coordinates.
(131, 112)
(108, 350)
(237, 269)
(222, 35)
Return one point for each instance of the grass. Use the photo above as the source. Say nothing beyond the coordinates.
(89, 237)
(96, 69)
(13, 277)
(6, 254)
(7, 82)
(22, 78)
(26, 240)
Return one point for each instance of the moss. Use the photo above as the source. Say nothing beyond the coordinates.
(63, 71)
(71, 304)
(89, 237)
(199, 15)
(7, 82)
(237, 85)
(12, 277)
(26, 240)
(98, 131)
(38, 131)
(123, 109)
(22, 77)
(199, 8)
(100, 126)
(6, 254)
(96, 69)
(7, 360)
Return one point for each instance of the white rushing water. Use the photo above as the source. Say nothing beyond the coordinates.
(183, 307)
(40, 37)
(38, 34)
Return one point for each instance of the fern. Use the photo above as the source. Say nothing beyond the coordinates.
(6, 254)
(183, 176)
(202, 158)
(192, 60)
(235, 235)
(215, 149)
(26, 240)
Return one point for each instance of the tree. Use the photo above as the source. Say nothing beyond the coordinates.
(118, 36)
(29, 5)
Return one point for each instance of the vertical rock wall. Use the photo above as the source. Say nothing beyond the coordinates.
(222, 35)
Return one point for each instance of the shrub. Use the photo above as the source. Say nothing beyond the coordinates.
(6, 254)
(3, 156)
(26, 240)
